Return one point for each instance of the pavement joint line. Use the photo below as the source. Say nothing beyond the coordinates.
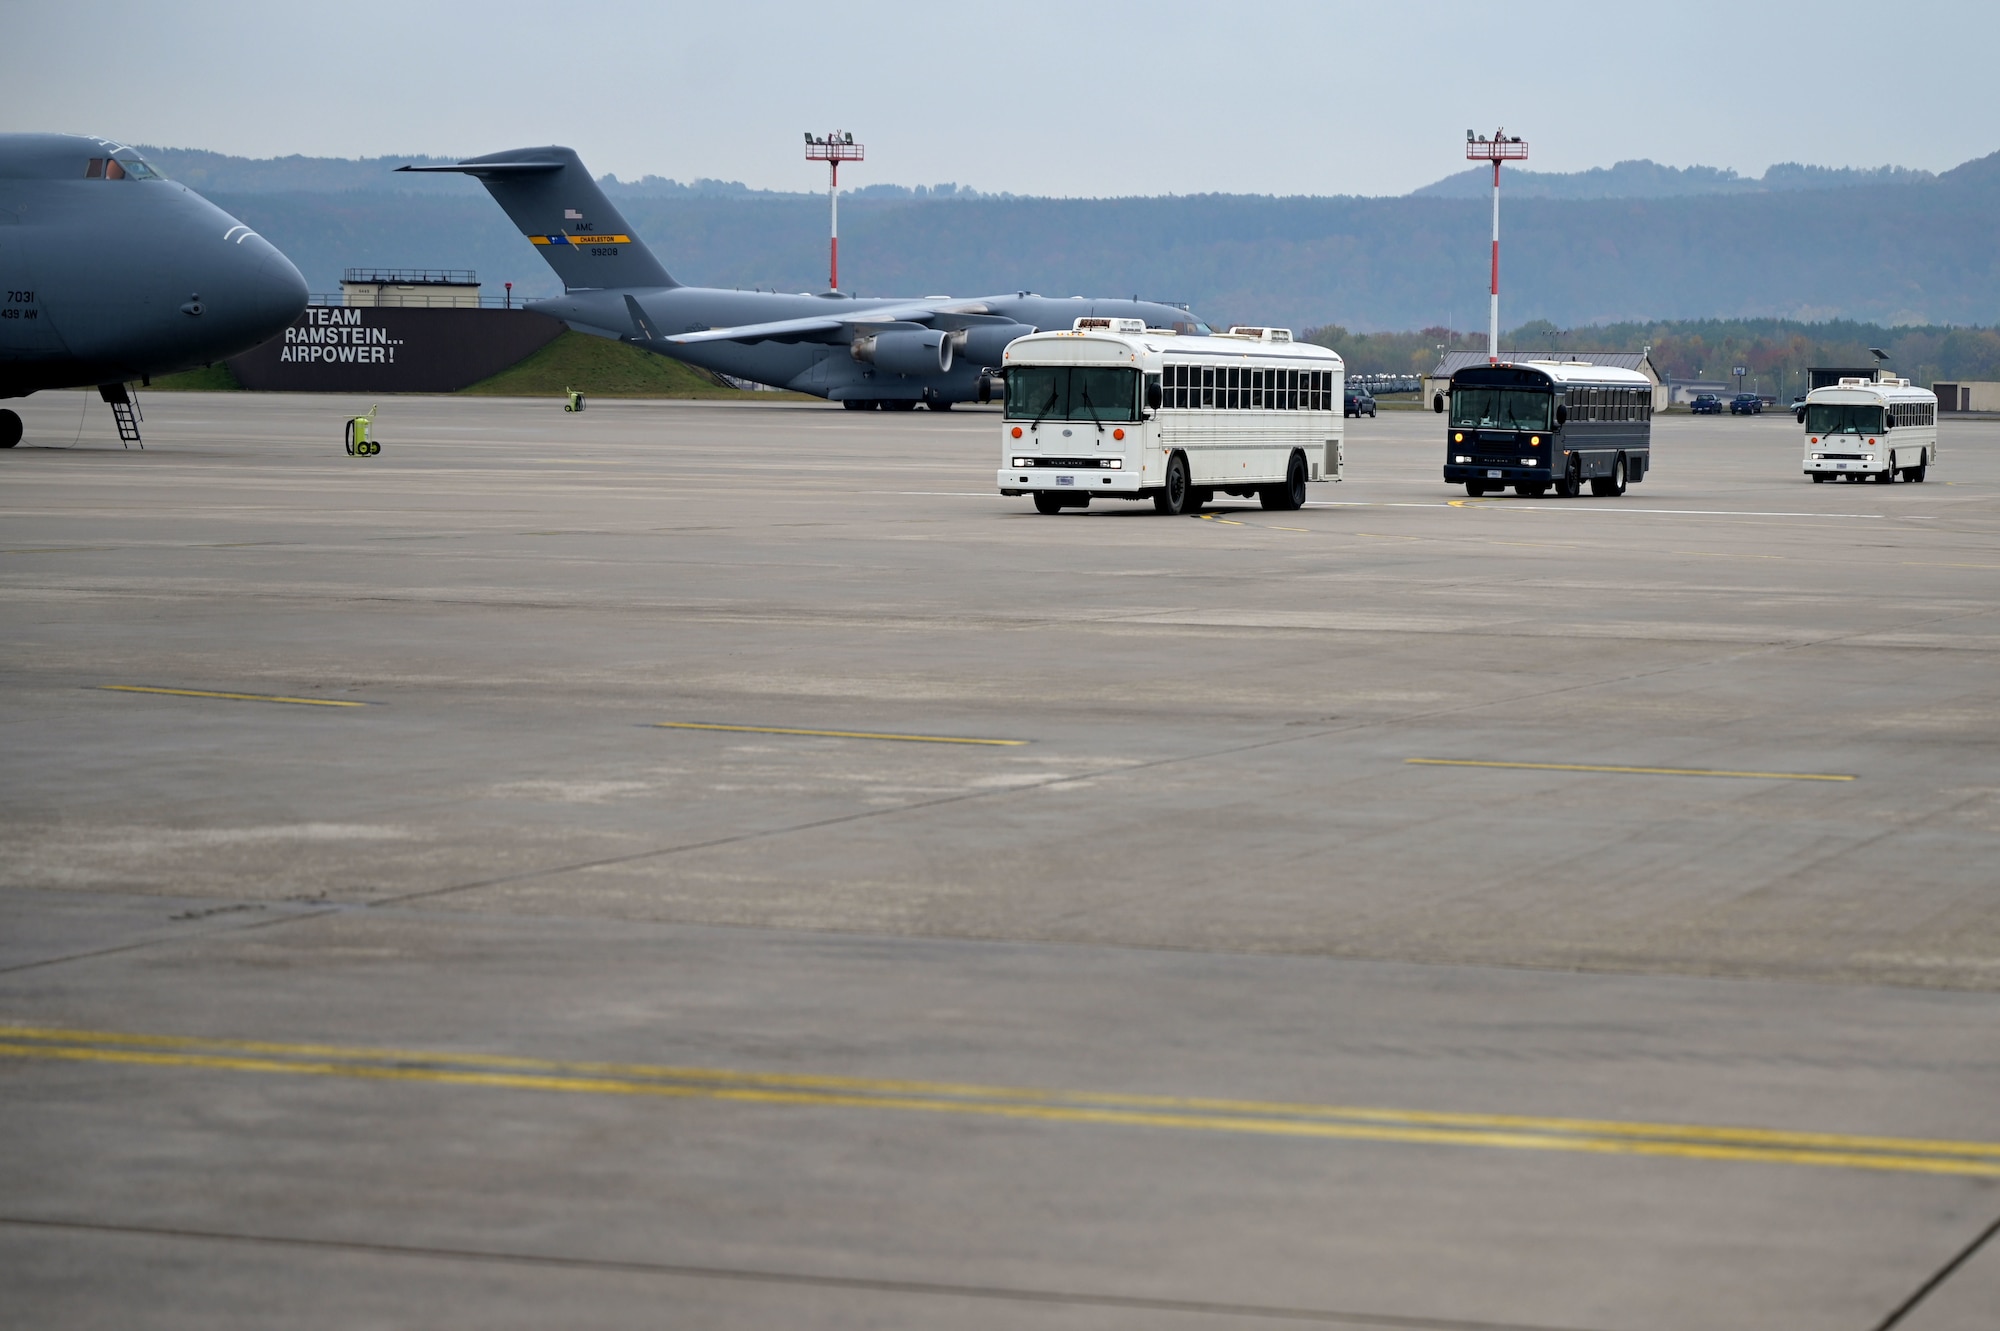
(834, 734)
(1311, 1121)
(233, 697)
(1632, 771)
(754, 1275)
(1938, 1277)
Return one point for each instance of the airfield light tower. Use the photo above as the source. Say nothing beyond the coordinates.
(1496, 150)
(833, 149)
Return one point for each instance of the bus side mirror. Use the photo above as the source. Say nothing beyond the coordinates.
(985, 391)
(1801, 414)
(1888, 424)
(1562, 414)
(1153, 396)
(1437, 402)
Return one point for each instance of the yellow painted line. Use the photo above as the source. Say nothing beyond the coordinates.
(1633, 771)
(1329, 1122)
(1210, 517)
(836, 734)
(234, 697)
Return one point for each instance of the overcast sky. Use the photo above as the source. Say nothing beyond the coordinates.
(1032, 96)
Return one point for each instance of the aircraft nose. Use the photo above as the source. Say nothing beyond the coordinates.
(276, 295)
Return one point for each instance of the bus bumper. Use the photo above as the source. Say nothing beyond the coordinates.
(1847, 466)
(1459, 474)
(1086, 481)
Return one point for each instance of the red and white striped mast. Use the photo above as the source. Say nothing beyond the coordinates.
(833, 149)
(1496, 150)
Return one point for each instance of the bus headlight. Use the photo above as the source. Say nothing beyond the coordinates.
(1024, 462)
(1116, 464)
(1529, 462)
(1461, 460)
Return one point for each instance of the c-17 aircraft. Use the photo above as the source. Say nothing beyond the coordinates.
(110, 273)
(862, 352)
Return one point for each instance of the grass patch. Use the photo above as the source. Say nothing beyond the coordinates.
(599, 367)
(216, 378)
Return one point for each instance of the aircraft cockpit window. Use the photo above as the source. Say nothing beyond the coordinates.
(117, 168)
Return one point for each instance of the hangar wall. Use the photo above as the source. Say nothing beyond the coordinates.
(384, 349)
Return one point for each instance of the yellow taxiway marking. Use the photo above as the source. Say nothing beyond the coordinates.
(1632, 771)
(1328, 1122)
(836, 734)
(234, 697)
(1210, 517)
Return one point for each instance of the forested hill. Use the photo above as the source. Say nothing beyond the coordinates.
(1898, 251)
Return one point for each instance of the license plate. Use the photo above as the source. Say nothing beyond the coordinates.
(1065, 480)
(1492, 475)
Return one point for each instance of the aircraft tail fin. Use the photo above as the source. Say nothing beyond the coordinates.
(551, 197)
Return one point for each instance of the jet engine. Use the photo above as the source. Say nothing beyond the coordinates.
(983, 343)
(906, 351)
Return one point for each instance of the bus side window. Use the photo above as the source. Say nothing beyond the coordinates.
(1207, 386)
(1235, 388)
(1256, 390)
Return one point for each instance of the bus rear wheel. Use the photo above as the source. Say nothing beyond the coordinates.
(1915, 474)
(1611, 485)
(1290, 495)
(1175, 495)
(10, 428)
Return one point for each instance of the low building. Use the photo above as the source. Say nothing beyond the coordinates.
(410, 288)
(1680, 392)
(1963, 396)
(1439, 379)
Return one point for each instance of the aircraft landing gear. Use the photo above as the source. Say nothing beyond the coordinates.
(10, 428)
(859, 403)
(935, 400)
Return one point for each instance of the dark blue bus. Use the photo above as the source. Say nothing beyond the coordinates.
(1547, 425)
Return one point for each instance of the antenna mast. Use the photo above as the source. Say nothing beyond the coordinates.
(833, 149)
(1496, 150)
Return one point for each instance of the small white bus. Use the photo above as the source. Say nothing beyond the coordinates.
(1112, 409)
(1870, 428)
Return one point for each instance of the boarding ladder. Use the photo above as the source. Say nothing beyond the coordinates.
(125, 411)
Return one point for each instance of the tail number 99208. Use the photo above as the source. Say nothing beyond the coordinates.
(604, 249)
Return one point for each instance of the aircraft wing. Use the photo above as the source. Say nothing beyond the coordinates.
(816, 328)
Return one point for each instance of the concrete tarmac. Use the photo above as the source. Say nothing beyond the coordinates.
(1414, 911)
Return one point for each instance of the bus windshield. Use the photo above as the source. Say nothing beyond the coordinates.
(1072, 393)
(1841, 418)
(1500, 408)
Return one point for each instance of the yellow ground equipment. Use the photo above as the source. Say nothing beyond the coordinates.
(573, 400)
(359, 445)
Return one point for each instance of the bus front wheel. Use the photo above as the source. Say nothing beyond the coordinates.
(1475, 489)
(1175, 495)
(1047, 503)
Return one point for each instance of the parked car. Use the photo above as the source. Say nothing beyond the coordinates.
(1799, 408)
(1746, 404)
(1359, 402)
(1706, 404)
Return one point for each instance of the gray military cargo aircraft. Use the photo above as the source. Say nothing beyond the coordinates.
(863, 352)
(110, 274)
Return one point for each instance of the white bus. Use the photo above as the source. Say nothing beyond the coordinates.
(1866, 428)
(1113, 409)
